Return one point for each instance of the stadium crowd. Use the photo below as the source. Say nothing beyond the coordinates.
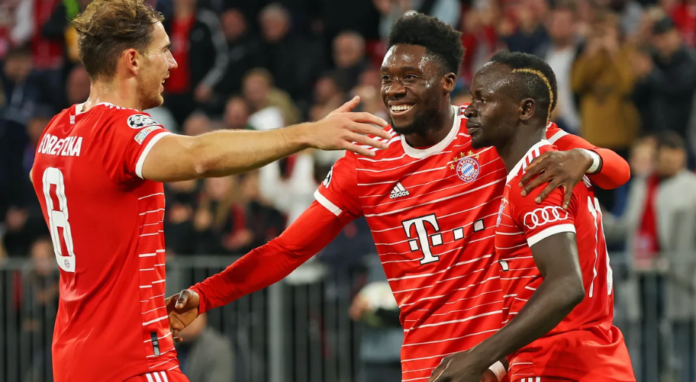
(626, 73)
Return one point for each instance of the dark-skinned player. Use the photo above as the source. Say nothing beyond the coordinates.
(554, 267)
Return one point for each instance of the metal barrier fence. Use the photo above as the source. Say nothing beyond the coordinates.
(299, 331)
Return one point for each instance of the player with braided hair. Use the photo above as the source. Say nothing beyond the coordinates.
(553, 264)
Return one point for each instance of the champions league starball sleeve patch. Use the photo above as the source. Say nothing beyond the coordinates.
(138, 121)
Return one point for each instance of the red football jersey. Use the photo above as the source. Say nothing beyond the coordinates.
(106, 226)
(585, 346)
(432, 213)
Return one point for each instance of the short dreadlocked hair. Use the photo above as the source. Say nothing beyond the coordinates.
(439, 39)
(536, 79)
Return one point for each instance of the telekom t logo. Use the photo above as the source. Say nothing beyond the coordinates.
(422, 236)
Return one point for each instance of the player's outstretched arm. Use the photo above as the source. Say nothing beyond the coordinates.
(565, 169)
(225, 152)
(611, 170)
(562, 289)
(258, 269)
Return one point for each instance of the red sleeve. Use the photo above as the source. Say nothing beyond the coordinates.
(338, 192)
(129, 137)
(615, 171)
(539, 221)
(270, 263)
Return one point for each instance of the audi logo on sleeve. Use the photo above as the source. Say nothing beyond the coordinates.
(543, 216)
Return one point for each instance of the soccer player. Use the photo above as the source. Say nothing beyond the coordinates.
(430, 199)
(97, 175)
(554, 267)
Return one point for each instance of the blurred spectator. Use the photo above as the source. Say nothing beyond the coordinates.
(237, 114)
(16, 26)
(46, 53)
(293, 193)
(39, 307)
(371, 100)
(233, 219)
(447, 11)
(479, 39)
(561, 53)
(641, 160)
(630, 14)
(329, 93)
(338, 16)
(197, 124)
(684, 16)
(243, 51)
(293, 61)
(24, 223)
(659, 215)
(371, 77)
(349, 56)
(178, 224)
(660, 230)
(78, 86)
(37, 124)
(21, 86)
(380, 346)
(58, 28)
(603, 79)
(271, 108)
(666, 81)
(199, 47)
(22, 94)
(530, 33)
(389, 11)
(205, 355)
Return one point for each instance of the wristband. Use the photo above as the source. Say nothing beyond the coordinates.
(596, 161)
(499, 370)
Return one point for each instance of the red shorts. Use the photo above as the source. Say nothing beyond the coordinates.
(543, 379)
(161, 376)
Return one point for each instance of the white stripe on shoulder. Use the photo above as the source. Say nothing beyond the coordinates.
(143, 155)
(327, 203)
(550, 232)
(164, 376)
(149, 377)
(560, 134)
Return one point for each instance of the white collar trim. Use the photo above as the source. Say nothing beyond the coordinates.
(424, 153)
(532, 153)
(79, 108)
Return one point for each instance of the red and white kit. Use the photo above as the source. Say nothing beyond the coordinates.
(585, 346)
(433, 214)
(106, 226)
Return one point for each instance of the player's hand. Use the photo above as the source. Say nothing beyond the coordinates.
(182, 309)
(343, 129)
(358, 308)
(557, 168)
(459, 367)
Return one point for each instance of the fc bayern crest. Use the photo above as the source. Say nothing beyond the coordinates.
(468, 169)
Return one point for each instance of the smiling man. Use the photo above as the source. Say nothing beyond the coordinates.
(430, 199)
(98, 173)
(554, 267)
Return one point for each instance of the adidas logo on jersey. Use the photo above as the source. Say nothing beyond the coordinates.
(398, 191)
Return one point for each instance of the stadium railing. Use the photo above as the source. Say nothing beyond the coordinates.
(298, 330)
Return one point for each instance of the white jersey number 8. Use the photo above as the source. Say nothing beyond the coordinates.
(58, 218)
